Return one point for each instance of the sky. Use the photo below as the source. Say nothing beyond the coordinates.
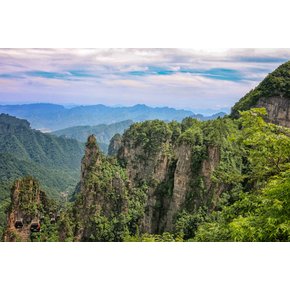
(202, 80)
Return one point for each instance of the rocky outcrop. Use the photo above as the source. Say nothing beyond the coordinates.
(273, 93)
(28, 206)
(115, 145)
(176, 178)
(188, 178)
(150, 167)
(103, 197)
(278, 110)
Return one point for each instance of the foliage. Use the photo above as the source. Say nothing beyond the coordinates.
(262, 213)
(165, 237)
(276, 83)
(149, 134)
(54, 161)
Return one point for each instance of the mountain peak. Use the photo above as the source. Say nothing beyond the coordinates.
(11, 124)
(275, 85)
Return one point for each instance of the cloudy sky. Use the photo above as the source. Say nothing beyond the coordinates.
(203, 80)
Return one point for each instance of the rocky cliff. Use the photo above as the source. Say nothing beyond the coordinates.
(102, 201)
(28, 206)
(177, 163)
(115, 145)
(278, 109)
(31, 216)
(273, 93)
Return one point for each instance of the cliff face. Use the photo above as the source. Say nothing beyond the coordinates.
(147, 155)
(150, 168)
(28, 206)
(178, 173)
(273, 93)
(115, 145)
(182, 177)
(278, 110)
(102, 201)
(31, 216)
(193, 186)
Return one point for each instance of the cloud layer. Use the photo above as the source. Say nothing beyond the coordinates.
(203, 80)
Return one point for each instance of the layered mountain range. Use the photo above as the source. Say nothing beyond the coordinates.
(50, 117)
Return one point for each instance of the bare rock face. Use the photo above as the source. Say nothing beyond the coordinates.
(172, 178)
(115, 145)
(27, 205)
(209, 165)
(273, 93)
(181, 184)
(278, 109)
(188, 178)
(150, 168)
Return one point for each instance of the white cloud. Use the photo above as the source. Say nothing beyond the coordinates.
(105, 75)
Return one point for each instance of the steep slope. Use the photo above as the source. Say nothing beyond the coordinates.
(273, 93)
(53, 160)
(115, 144)
(28, 205)
(32, 216)
(106, 209)
(177, 163)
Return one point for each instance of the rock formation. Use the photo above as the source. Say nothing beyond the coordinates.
(178, 173)
(102, 199)
(273, 93)
(28, 206)
(115, 145)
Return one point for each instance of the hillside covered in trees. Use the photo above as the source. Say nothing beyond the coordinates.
(54, 161)
(103, 132)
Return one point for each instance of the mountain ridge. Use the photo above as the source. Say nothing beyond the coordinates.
(34, 152)
(275, 85)
(102, 132)
(56, 117)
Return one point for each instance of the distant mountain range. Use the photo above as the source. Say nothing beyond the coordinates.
(51, 117)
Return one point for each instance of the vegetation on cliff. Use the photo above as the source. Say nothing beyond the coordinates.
(261, 210)
(32, 216)
(276, 84)
(106, 208)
